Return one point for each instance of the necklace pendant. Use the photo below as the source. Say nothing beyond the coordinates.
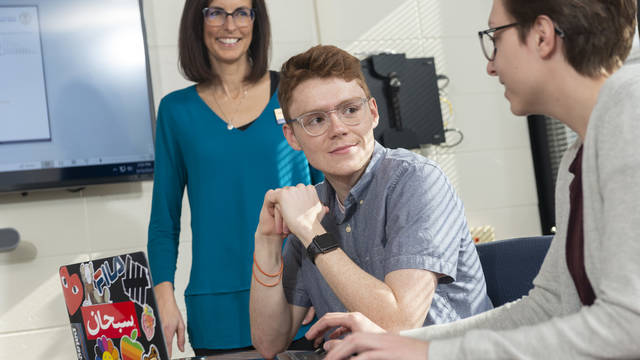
(229, 127)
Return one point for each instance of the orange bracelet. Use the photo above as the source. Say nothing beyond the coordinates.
(263, 284)
(267, 274)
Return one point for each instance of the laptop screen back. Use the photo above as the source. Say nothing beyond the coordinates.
(112, 309)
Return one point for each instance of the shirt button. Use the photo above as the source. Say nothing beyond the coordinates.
(361, 202)
(348, 229)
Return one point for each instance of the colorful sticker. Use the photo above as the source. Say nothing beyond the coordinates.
(78, 341)
(105, 275)
(72, 290)
(135, 281)
(91, 295)
(105, 350)
(111, 320)
(148, 321)
(153, 354)
(130, 348)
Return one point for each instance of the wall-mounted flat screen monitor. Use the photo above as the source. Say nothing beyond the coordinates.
(76, 106)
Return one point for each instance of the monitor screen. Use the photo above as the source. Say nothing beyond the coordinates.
(76, 105)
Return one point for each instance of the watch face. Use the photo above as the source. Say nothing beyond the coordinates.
(321, 244)
(325, 241)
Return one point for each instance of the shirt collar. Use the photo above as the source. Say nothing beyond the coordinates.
(358, 191)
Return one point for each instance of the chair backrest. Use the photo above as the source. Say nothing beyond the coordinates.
(510, 265)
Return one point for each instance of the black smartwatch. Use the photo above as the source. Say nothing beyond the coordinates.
(321, 244)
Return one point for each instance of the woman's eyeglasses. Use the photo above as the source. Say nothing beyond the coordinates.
(242, 17)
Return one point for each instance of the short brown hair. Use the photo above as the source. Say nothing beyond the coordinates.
(193, 56)
(598, 33)
(322, 61)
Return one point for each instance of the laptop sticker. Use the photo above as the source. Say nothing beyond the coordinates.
(105, 350)
(78, 341)
(91, 295)
(153, 354)
(105, 275)
(71, 289)
(111, 320)
(135, 282)
(130, 348)
(148, 321)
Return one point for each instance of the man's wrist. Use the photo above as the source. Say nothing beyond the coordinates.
(307, 237)
(267, 246)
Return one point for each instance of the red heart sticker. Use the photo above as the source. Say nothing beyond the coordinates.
(72, 290)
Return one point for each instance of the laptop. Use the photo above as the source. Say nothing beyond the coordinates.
(300, 355)
(112, 309)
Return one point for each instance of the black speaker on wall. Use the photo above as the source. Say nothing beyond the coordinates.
(406, 91)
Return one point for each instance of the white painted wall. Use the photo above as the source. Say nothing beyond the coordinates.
(492, 168)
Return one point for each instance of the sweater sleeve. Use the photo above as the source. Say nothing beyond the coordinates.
(538, 306)
(166, 206)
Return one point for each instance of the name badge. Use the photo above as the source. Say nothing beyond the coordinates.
(279, 116)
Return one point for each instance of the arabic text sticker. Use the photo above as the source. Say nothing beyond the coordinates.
(111, 320)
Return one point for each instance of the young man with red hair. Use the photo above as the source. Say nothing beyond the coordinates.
(384, 235)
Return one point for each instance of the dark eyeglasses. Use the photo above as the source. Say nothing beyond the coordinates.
(242, 17)
(488, 42)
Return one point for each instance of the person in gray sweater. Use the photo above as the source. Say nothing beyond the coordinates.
(555, 58)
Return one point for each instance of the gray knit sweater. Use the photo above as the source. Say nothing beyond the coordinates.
(551, 323)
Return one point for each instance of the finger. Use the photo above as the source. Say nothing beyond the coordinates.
(374, 354)
(168, 338)
(329, 321)
(330, 344)
(317, 330)
(352, 344)
(181, 335)
(339, 332)
(311, 313)
(268, 212)
(285, 228)
(271, 196)
(268, 201)
(340, 350)
(278, 220)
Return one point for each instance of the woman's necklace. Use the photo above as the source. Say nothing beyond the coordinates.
(237, 99)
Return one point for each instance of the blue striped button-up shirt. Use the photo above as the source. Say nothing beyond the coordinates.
(402, 214)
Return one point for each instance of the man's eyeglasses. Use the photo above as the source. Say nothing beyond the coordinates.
(488, 42)
(350, 112)
(242, 17)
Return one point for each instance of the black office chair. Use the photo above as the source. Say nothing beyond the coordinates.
(510, 265)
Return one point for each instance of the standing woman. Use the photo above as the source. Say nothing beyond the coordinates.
(222, 139)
